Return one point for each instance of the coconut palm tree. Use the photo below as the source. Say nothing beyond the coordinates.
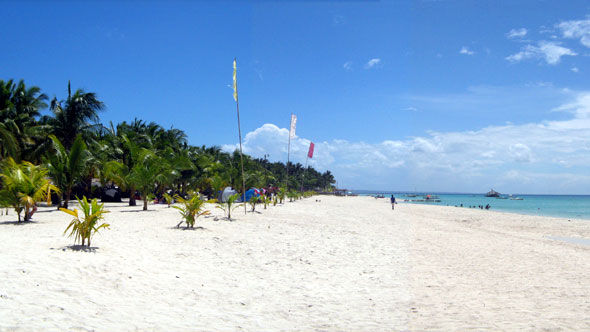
(8, 143)
(19, 108)
(147, 172)
(66, 168)
(74, 115)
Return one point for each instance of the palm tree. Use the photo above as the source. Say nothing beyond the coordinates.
(23, 185)
(8, 144)
(147, 172)
(73, 115)
(19, 106)
(327, 180)
(119, 170)
(66, 168)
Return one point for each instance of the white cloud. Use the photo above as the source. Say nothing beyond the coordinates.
(373, 63)
(516, 158)
(551, 52)
(467, 51)
(516, 33)
(347, 65)
(576, 29)
(411, 109)
(520, 152)
(575, 69)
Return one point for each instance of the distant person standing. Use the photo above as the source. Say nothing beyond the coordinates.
(392, 202)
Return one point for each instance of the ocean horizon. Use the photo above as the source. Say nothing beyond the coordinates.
(561, 206)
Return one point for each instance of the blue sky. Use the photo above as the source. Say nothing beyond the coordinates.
(429, 95)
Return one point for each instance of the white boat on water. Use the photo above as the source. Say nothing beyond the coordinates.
(514, 198)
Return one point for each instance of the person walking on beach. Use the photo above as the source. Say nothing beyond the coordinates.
(392, 202)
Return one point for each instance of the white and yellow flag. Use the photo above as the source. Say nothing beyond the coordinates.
(293, 125)
(235, 81)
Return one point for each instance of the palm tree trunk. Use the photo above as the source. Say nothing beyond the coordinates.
(132, 201)
(145, 201)
(67, 200)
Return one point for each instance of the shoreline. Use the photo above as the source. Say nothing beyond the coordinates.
(340, 264)
(519, 206)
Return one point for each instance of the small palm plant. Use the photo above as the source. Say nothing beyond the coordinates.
(23, 185)
(85, 228)
(266, 200)
(293, 195)
(190, 209)
(168, 198)
(229, 205)
(282, 193)
(253, 201)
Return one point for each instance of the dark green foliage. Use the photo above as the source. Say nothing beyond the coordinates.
(141, 158)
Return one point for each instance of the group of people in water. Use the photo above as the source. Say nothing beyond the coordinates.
(487, 206)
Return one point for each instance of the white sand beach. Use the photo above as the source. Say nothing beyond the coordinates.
(342, 264)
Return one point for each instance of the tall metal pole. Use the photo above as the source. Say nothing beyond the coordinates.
(288, 153)
(240, 134)
(304, 170)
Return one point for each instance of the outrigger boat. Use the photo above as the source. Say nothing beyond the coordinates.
(515, 198)
(426, 199)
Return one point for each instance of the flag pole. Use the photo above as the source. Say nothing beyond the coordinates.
(240, 135)
(305, 169)
(288, 154)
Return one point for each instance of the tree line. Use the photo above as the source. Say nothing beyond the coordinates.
(71, 148)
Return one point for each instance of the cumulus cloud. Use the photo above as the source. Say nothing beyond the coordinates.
(347, 65)
(465, 50)
(508, 155)
(576, 29)
(516, 33)
(551, 52)
(373, 63)
(575, 69)
(520, 152)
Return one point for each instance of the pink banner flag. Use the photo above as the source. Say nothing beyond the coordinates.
(310, 152)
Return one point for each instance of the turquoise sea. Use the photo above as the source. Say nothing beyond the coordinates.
(565, 206)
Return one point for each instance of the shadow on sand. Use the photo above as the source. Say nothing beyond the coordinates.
(77, 247)
(196, 228)
(17, 223)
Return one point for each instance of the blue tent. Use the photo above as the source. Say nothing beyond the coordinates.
(253, 192)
